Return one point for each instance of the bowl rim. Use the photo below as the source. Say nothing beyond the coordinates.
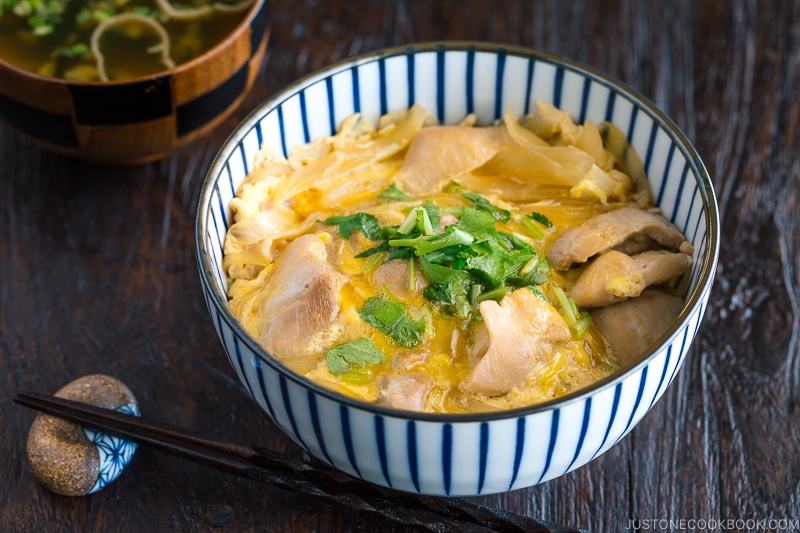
(243, 24)
(694, 299)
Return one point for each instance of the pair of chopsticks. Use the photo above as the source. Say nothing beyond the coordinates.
(425, 512)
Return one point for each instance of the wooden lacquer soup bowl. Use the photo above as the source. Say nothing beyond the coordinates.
(461, 454)
(142, 119)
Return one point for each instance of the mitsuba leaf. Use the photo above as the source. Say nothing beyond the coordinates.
(363, 222)
(477, 223)
(437, 273)
(495, 263)
(535, 276)
(392, 193)
(541, 219)
(390, 318)
(452, 236)
(448, 293)
(354, 354)
(485, 205)
(451, 255)
(434, 213)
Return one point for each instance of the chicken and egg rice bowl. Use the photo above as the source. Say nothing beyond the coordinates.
(453, 268)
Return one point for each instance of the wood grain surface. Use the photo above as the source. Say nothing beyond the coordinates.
(98, 275)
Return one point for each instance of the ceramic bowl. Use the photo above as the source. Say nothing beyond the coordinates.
(142, 119)
(472, 454)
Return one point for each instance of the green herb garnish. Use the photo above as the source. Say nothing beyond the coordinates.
(390, 318)
(578, 322)
(392, 193)
(75, 50)
(468, 262)
(541, 219)
(483, 204)
(354, 354)
(363, 222)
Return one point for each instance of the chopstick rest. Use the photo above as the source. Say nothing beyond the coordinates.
(72, 460)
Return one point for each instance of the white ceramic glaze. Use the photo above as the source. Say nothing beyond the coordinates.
(460, 454)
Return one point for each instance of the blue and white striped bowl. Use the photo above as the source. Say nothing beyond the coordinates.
(459, 454)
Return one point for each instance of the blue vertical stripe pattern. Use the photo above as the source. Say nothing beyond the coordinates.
(661, 379)
(612, 98)
(632, 124)
(244, 158)
(498, 84)
(651, 144)
(447, 456)
(221, 212)
(518, 449)
(558, 86)
(344, 414)
(411, 80)
(483, 455)
(259, 135)
(262, 385)
(304, 116)
(356, 90)
(529, 85)
(411, 443)
(587, 90)
(552, 443)
(664, 182)
(676, 205)
(300, 409)
(331, 105)
(240, 361)
(612, 417)
(284, 148)
(470, 81)
(380, 440)
(587, 410)
(287, 404)
(382, 86)
(639, 394)
(315, 423)
(440, 86)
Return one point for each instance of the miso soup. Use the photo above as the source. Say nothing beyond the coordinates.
(109, 40)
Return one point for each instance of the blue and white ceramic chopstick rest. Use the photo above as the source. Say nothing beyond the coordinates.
(71, 460)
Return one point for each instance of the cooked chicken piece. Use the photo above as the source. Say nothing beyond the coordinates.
(608, 230)
(300, 300)
(632, 327)
(659, 265)
(409, 359)
(614, 276)
(611, 277)
(522, 328)
(446, 219)
(477, 344)
(438, 154)
(394, 274)
(405, 391)
(637, 244)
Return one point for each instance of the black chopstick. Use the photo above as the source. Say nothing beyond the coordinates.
(310, 478)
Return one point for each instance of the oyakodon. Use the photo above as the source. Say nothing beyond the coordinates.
(453, 268)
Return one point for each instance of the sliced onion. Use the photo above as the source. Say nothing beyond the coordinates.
(193, 13)
(124, 18)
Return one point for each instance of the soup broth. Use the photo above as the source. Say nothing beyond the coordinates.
(108, 40)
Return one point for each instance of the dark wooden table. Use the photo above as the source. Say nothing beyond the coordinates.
(98, 275)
